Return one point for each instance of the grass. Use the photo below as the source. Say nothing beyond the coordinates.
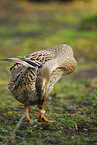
(28, 27)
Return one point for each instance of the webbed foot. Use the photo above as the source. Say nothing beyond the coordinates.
(42, 118)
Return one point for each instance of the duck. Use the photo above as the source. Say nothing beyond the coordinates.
(34, 75)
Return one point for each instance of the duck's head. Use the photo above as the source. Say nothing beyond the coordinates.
(42, 81)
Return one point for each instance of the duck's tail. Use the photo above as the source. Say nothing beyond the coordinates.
(23, 61)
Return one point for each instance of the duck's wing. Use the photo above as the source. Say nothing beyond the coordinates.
(33, 60)
(55, 76)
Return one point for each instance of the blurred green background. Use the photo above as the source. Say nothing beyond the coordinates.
(29, 26)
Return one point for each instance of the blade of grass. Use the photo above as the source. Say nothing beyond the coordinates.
(18, 124)
(12, 135)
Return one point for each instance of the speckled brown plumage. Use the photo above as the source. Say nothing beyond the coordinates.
(27, 82)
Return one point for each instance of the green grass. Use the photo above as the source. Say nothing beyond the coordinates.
(28, 27)
(90, 22)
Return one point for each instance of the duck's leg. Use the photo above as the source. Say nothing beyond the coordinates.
(41, 116)
(27, 114)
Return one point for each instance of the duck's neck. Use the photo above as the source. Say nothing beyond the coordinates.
(55, 63)
(51, 65)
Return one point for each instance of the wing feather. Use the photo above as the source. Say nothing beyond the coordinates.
(35, 59)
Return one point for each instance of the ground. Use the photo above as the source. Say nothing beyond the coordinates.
(27, 27)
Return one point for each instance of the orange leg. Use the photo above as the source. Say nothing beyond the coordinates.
(42, 118)
(27, 114)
